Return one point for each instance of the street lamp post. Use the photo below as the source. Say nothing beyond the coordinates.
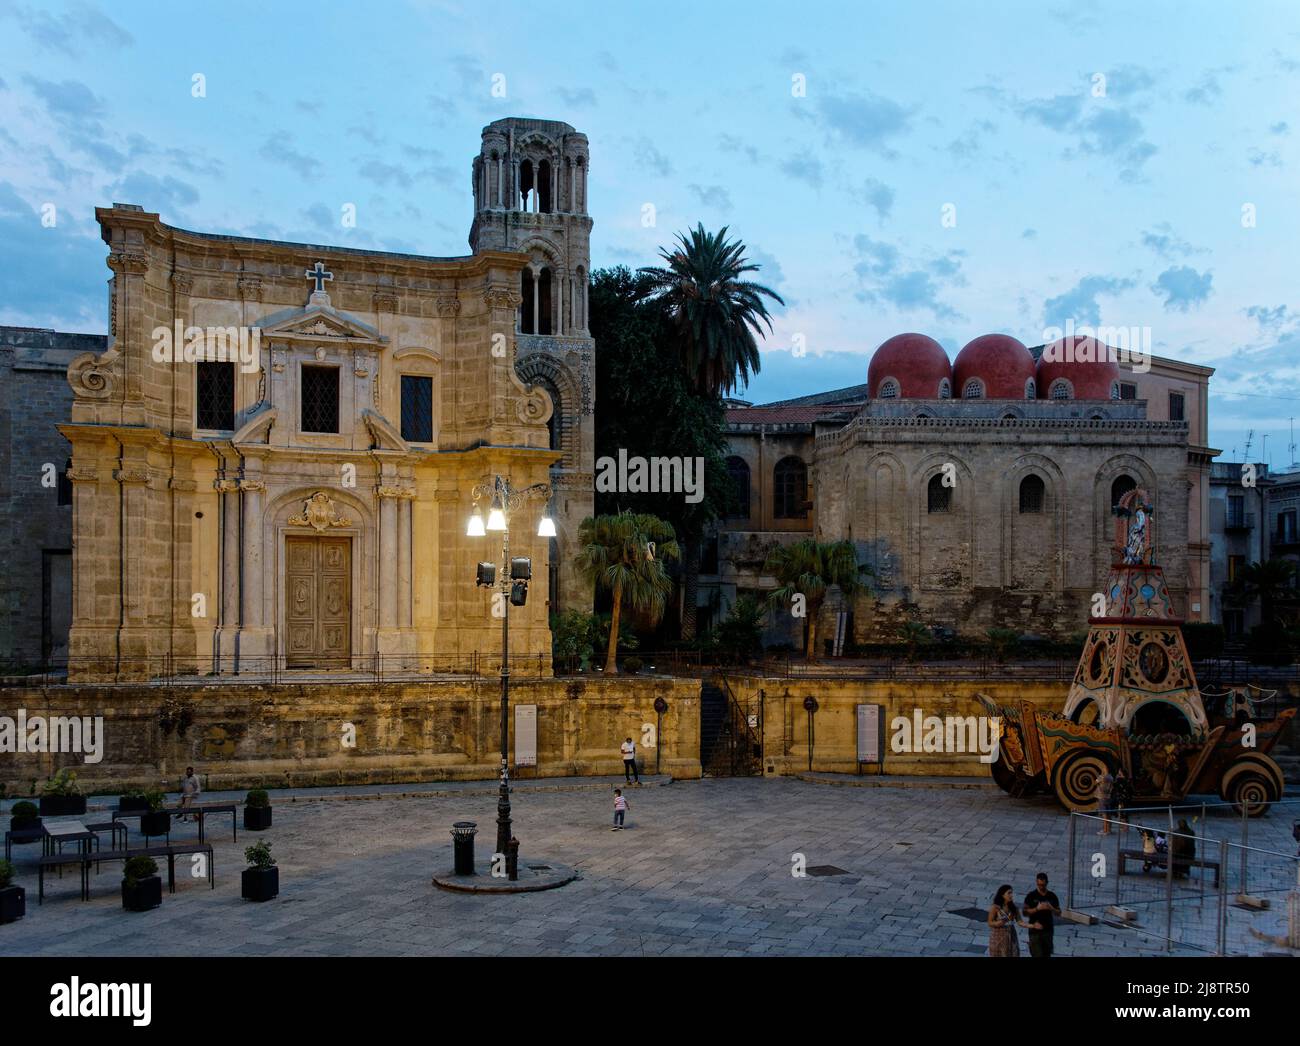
(512, 583)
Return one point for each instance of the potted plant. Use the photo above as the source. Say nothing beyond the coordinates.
(13, 899)
(23, 817)
(134, 801)
(257, 810)
(141, 887)
(261, 879)
(62, 795)
(157, 821)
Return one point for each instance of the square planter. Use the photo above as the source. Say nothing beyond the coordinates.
(142, 895)
(260, 884)
(128, 805)
(156, 823)
(13, 903)
(62, 805)
(257, 818)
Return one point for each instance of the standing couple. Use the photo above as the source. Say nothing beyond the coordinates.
(1041, 907)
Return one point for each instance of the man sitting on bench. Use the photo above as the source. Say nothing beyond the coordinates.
(1183, 850)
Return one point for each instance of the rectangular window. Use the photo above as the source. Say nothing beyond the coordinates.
(320, 399)
(215, 396)
(417, 408)
(1286, 526)
(1176, 406)
(1236, 564)
(1236, 510)
(1127, 390)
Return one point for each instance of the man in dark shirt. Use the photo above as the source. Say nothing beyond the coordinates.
(1041, 906)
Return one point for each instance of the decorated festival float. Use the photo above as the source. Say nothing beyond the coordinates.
(1134, 704)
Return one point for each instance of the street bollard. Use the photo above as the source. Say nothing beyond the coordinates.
(512, 859)
(462, 846)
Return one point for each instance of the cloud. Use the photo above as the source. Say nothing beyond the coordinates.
(1268, 319)
(1183, 287)
(1029, 234)
(166, 195)
(280, 149)
(1281, 127)
(880, 196)
(385, 173)
(1080, 302)
(1168, 244)
(1060, 113)
(712, 196)
(1207, 89)
(648, 156)
(578, 97)
(909, 285)
(731, 144)
(1104, 130)
(1260, 158)
(69, 31)
(805, 168)
(864, 120)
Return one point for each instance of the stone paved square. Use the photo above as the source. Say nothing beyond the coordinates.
(704, 868)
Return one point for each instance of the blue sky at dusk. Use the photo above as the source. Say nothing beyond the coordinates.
(1121, 207)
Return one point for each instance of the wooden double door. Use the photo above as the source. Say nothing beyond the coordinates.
(318, 602)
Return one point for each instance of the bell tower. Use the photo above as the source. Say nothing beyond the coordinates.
(530, 197)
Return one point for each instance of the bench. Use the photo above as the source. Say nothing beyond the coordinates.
(200, 810)
(85, 860)
(1158, 860)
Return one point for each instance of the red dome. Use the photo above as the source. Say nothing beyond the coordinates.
(1087, 364)
(916, 364)
(1002, 365)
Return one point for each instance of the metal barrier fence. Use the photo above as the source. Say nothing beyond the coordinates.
(1197, 876)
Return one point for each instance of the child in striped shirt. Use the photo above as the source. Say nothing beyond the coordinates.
(620, 808)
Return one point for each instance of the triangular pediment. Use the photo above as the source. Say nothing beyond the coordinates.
(318, 321)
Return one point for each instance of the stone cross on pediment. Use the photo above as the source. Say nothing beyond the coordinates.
(319, 274)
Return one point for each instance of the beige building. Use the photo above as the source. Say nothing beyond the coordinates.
(295, 494)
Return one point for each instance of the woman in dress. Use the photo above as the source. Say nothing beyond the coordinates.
(1004, 917)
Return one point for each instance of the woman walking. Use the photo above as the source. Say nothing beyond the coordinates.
(1004, 917)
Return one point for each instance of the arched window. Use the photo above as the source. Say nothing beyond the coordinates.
(738, 476)
(1060, 389)
(938, 496)
(527, 186)
(526, 302)
(1122, 485)
(544, 187)
(1031, 389)
(1033, 492)
(889, 389)
(945, 389)
(554, 426)
(790, 489)
(544, 325)
(974, 390)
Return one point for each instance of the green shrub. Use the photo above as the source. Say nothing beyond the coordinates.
(1002, 642)
(6, 873)
(156, 800)
(1269, 644)
(257, 799)
(138, 868)
(259, 855)
(632, 665)
(62, 783)
(25, 811)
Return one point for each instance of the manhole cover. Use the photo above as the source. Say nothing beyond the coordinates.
(976, 914)
(825, 869)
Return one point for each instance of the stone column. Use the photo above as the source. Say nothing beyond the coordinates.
(255, 635)
(537, 287)
(404, 564)
(500, 183)
(573, 187)
(228, 630)
(387, 558)
(560, 326)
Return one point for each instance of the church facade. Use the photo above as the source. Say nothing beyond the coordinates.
(273, 461)
(980, 491)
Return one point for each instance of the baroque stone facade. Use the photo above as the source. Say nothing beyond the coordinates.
(306, 506)
(973, 509)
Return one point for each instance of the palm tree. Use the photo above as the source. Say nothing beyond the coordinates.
(808, 568)
(714, 312)
(625, 553)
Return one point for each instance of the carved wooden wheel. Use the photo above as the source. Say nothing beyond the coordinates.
(1075, 780)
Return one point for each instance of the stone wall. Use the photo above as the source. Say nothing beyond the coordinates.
(783, 721)
(292, 735)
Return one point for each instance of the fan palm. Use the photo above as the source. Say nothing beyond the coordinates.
(1272, 582)
(809, 568)
(625, 554)
(713, 310)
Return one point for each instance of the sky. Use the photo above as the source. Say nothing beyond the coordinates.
(949, 168)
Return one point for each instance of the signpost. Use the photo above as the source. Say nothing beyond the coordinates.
(871, 735)
(525, 735)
